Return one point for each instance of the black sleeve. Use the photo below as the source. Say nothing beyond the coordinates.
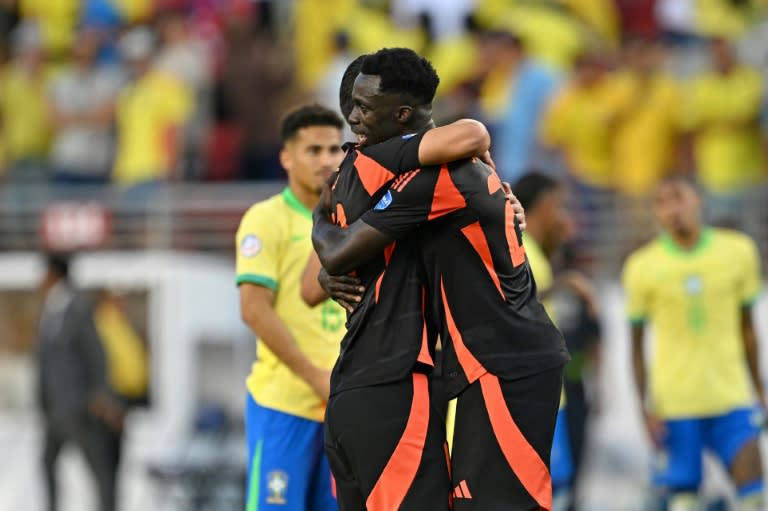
(413, 199)
(398, 154)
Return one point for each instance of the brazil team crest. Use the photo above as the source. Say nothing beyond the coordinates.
(277, 484)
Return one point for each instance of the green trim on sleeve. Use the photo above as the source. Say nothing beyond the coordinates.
(295, 204)
(260, 280)
(637, 320)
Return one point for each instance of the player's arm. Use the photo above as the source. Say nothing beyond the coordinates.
(317, 286)
(401, 210)
(342, 250)
(257, 311)
(464, 138)
(750, 290)
(751, 351)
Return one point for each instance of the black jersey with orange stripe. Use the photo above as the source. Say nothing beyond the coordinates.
(482, 289)
(387, 333)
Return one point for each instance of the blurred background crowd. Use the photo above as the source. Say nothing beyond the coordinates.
(610, 94)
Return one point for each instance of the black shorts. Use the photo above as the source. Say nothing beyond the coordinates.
(386, 447)
(502, 442)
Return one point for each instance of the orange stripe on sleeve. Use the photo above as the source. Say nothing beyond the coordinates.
(521, 456)
(371, 173)
(516, 250)
(447, 197)
(407, 177)
(476, 237)
(494, 183)
(398, 475)
(341, 216)
(471, 366)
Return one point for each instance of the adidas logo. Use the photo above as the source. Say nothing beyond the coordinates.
(462, 491)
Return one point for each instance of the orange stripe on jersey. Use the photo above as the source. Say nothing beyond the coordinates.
(447, 198)
(398, 475)
(471, 366)
(341, 216)
(371, 174)
(465, 489)
(494, 183)
(405, 179)
(388, 252)
(474, 233)
(521, 456)
(424, 356)
(378, 287)
(516, 250)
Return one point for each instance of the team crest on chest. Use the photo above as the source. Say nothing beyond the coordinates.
(277, 484)
(693, 285)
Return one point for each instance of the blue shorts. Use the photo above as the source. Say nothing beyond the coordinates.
(678, 465)
(287, 468)
(561, 461)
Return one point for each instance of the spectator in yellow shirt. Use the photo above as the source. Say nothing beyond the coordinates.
(23, 91)
(643, 148)
(579, 122)
(151, 111)
(722, 112)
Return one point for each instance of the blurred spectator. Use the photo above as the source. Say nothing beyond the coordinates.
(528, 93)
(601, 16)
(57, 21)
(644, 142)
(580, 120)
(151, 113)
(722, 110)
(327, 92)
(446, 19)
(638, 18)
(26, 128)
(182, 56)
(254, 85)
(82, 102)
(78, 407)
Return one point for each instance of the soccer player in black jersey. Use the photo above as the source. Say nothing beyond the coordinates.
(384, 438)
(503, 356)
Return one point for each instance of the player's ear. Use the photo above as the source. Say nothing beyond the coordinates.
(404, 114)
(286, 160)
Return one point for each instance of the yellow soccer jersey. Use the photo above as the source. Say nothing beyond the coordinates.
(273, 246)
(692, 301)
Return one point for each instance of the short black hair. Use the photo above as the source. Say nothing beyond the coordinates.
(532, 186)
(403, 71)
(58, 264)
(309, 115)
(347, 83)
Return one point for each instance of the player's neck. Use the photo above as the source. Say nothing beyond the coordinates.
(306, 197)
(687, 240)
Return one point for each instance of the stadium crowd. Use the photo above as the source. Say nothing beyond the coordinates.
(138, 91)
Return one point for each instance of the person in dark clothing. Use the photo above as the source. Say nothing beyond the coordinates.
(77, 404)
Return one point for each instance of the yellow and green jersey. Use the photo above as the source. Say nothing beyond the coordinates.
(273, 246)
(693, 300)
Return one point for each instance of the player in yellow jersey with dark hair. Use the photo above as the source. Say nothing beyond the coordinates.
(694, 285)
(289, 384)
